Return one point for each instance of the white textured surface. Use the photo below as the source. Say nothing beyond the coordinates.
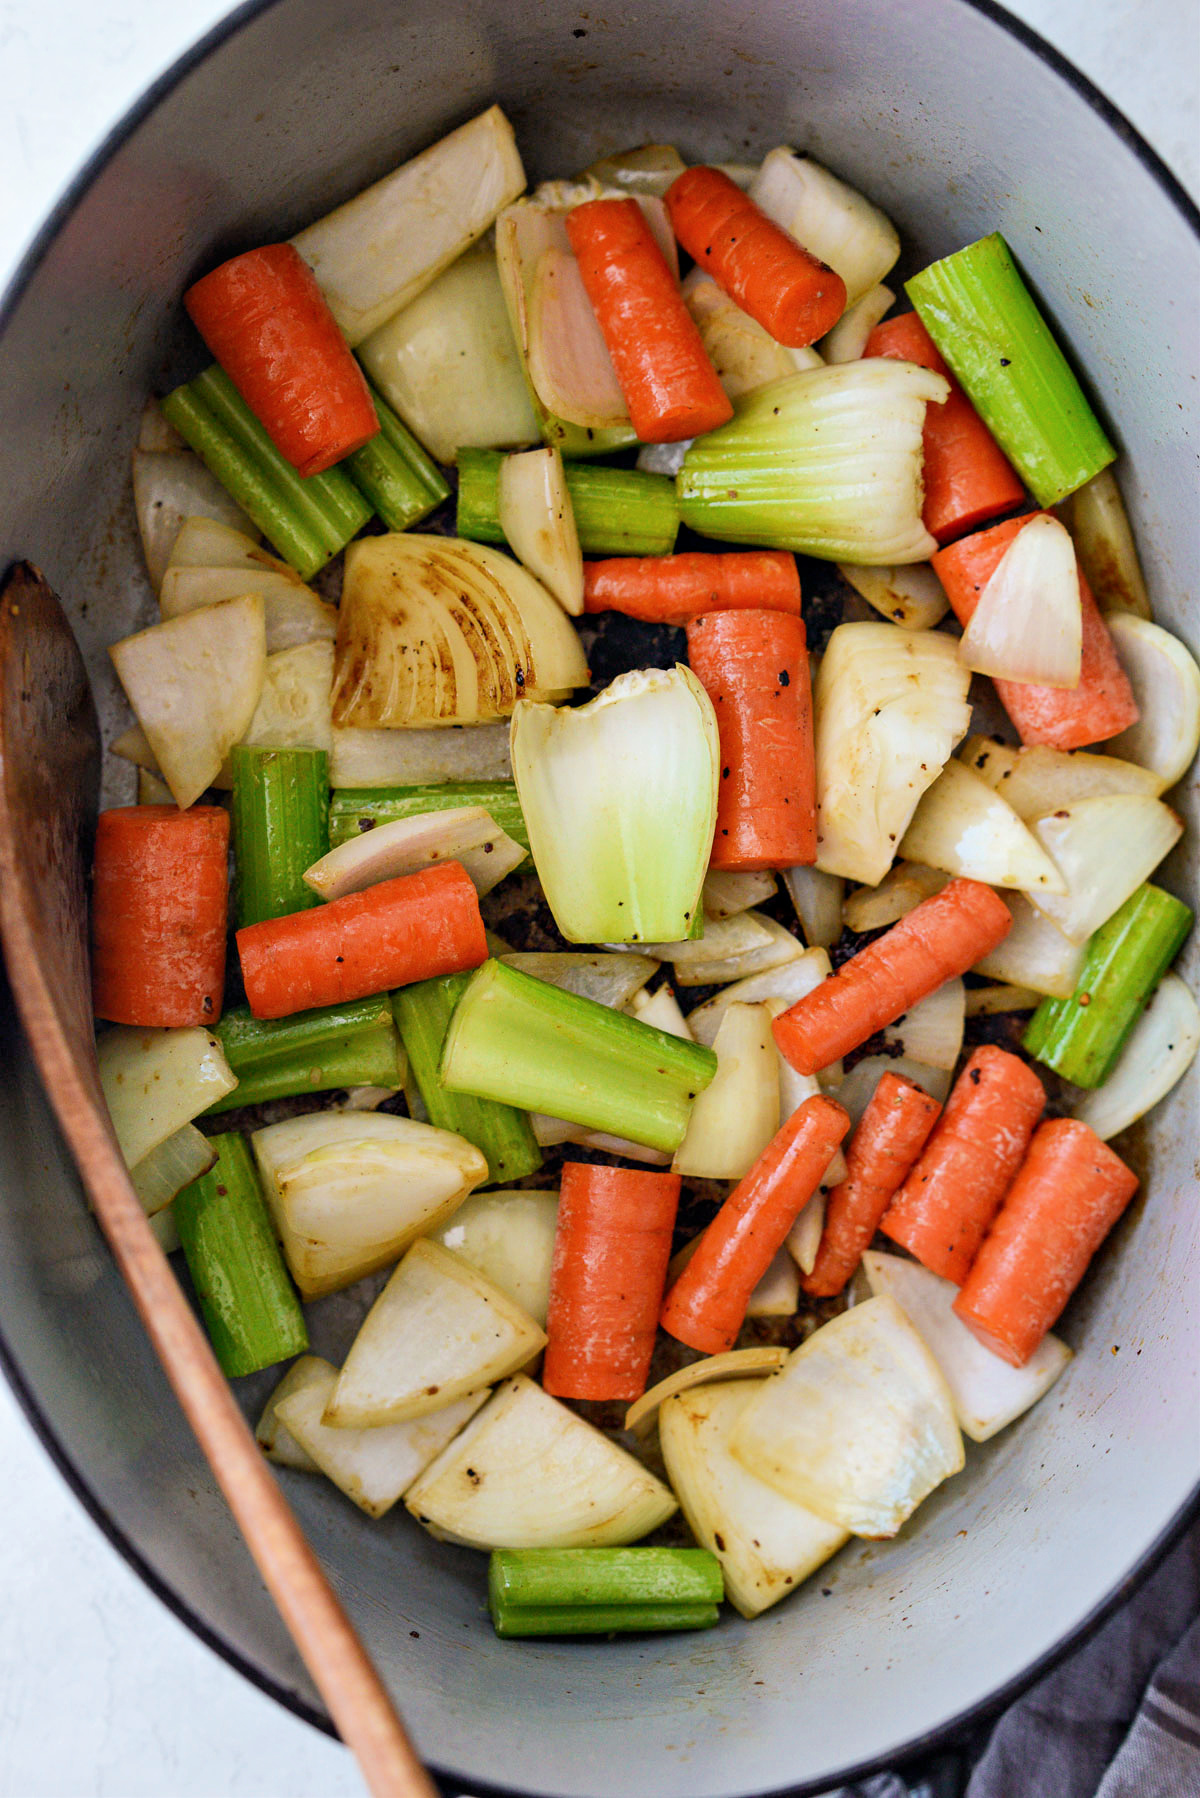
(102, 1693)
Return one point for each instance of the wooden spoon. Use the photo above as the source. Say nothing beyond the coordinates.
(49, 777)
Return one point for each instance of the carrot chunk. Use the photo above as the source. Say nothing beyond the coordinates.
(755, 261)
(891, 1134)
(675, 589)
(662, 367)
(611, 1249)
(968, 478)
(1068, 1194)
(942, 1212)
(706, 1307)
(939, 939)
(416, 927)
(160, 899)
(1062, 717)
(266, 321)
(754, 667)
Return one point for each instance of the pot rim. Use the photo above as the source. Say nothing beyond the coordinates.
(946, 1734)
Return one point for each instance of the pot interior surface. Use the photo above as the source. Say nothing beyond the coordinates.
(956, 127)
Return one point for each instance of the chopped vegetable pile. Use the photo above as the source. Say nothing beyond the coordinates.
(739, 1271)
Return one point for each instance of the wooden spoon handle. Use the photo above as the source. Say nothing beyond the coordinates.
(48, 752)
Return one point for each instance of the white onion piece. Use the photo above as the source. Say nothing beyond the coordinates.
(528, 1473)
(766, 1544)
(194, 683)
(857, 1089)
(449, 366)
(152, 789)
(376, 252)
(165, 1230)
(374, 1467)
(1096, 518)
(1037, 779)
(271, 1434)
(832, 220)
(901, 889)
(1028, 624)
(661, 1009)
(737, 1114)
(435, 630)
(1105, 849)
(727, 891)
(663, 458)
(154, 433)
(987, 1001)
(369, 1098)
(1160, 1049)
(742, 351)
(349, 1191)
(648, 169)
(817, 898)
(205, 541)
(539, 524)
(549, 1131)
(965, 828)
(509, 1237)
(785, 983)
(730, 949)
(889, 706)
(156, 1081)
(734, 1364)
(293, 707)
(859, 1427)
(804, 1238)
(778, 1292)
(439, 1330)
(569, 363)
(413, 758)
(293, 613)
(909, 595)
(174, 1164)
(169, 486)
(612, 977)
(1166, 685)
(1035, 953)
(848, 339)
(986, 1392)
(466, 834)
(931, 1031)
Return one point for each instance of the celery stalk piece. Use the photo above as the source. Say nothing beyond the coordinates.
(359, 809)
(395, 474)
(601, 1620)
(621, 858)
(369, 1058)
(525, 1043)
(249, 1306)
(827, 462)
(252, 1043)
(547, 1578)
(280, 828)
(618, 511)
(1081, 1038)
(987, 325)
(423, 1013)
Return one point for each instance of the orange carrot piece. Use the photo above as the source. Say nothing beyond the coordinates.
(755, 261)
(266, 321)
(160, 898)
(754, 668)
(674, 589)
(968, 478)
(706, 1307)
(662, 367)
(1070, 1191)
(1062, 717)
(942, 1212)
(611, 1249)
(415, 927)
(939, 939)
(891, 1134)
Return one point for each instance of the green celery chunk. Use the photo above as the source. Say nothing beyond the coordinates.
(249, 1305)
(251, 1042)
(423, 1012)
(1082, 1037)
(544, 1577)
(280, 827)
(369, 1058)
(515, 1621)
(988, 326)
(618, 511)
(400, 479)
(519, 1040)
(356, 809)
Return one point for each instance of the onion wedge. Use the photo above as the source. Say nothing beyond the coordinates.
(785, 984)
(742, 351)
(986, 1392)
(856, 1089)
(901, 889)
(766, 1544)
(539, 524)
(734, 1364)
(831, 219)
(1037, 779)
(848, 339)
(1105, 849)
(509, 1237)
(736, 1116)
(170, 485)
(1028, 625)
(728, 892)
(161, 1176)
(1096, 518)
(1035, 953)
(466, 834)
(612, 978)
(964, 827)
(909, 595)
(932, 1030)
(293, 707)
(660, 1009)
(1166, 685)
(528, 1473)
(414, 758)
(817, 898)
(804, 1238)
(156, 1081)
(1160, 1049)
(778, 1292)
(271, 1434)
(730, 949)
